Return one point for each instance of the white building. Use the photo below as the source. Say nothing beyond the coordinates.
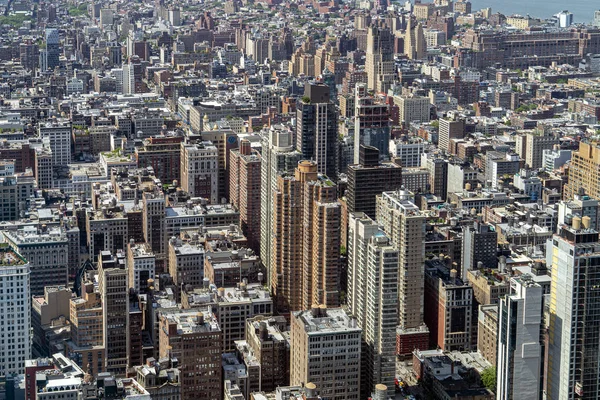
(574, 258)
(15, 312)
(58, 133)
(200, 170)
(529, 183)
(408, 152)
(556, 158)
(372, 297)
(564, 19)
(519, 349)
(141, 264)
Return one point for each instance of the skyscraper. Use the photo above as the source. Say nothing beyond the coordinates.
(372, 297)
(306, 240)
(244, 190)
(405, 225)
(52, 52)
(583, 171)
(113, 288)
(519, 349)
(277, 157)
(574, 334)
(317, 127)
(415, 45)
(379, 62)
(338, 338)
(15, 312)
(369, 178)
(371, 123)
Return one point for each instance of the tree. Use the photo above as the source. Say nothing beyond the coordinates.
(488, 378)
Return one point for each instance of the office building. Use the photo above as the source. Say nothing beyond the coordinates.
(580, 205)
(306, 240)
(113, 288)
(58, 133)
(449, 130)
(409, 153)
(520, 353)
(141, 265)
(47, 254)
(372, 298)
(371, 123)
(573, 334)
(268, 340)
(51, 54)
(194, 338)
(438, 174)
(245, 190)
(487, 332)
(583, 171)
(531, 146)
(415, 45)
(200, 170)
(369, 178)
(564, 19)
(317, 128)
(186, 261)
(45, 311)
(379, 62)
(448, 308)
(86, 346)
(325, 350)
(15, 312)
(412, 109)
(277, 156)
(405, 225)
(480, 248)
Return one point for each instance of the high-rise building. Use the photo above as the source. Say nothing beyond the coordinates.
(531, 147)
(317, 127)
(278, 156)
(194, 338)
(113, 288)
(371, 123)
(415, 45)
(325, 350)
(412, 109)
(574, 337)
(153, 224)
(15, 312)
(583, 171)
(369, 178)
(448, 308)
(141, 265)
(186, 262)
(520, 353)
(438, 174)
(379, 62)
(245, 190)
(52, 51)
(58, 133)
(580, 205)
(480, 248)
(271, 349)
(449, 130)
(405, 225)
(47, 254)
(200, 170)
(306, 240)
(372, 297)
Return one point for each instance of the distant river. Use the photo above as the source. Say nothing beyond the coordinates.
(583, 10)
